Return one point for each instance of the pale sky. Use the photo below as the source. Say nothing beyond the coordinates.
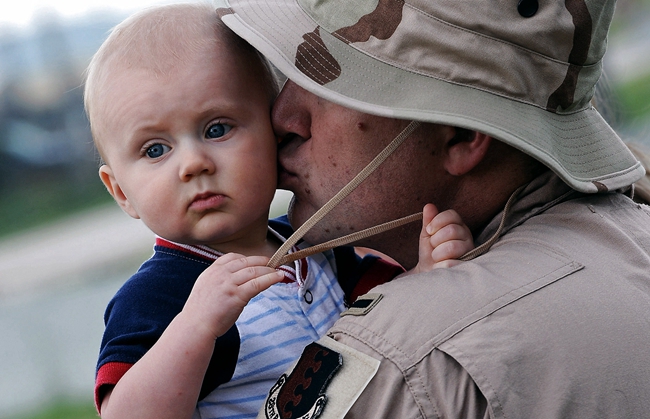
(624, 60)
(19, 13)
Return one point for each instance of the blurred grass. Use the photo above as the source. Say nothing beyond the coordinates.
(38, 203)
(63, 409)
(633, 96)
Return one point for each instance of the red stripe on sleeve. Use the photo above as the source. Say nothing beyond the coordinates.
(380, 272)
(108, 375)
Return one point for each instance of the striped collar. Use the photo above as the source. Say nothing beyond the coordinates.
(296, 273)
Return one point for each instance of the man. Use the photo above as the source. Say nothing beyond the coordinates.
(550, 316)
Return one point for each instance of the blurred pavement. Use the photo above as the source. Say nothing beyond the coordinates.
(55, 283)
(81, 248)
(73, 250)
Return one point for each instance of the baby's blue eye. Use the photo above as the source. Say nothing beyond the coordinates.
(157, 150)
(217, 130)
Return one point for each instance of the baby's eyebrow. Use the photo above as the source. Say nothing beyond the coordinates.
(147, 128)
(221, 105)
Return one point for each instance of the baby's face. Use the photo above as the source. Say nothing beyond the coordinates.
(193, 154)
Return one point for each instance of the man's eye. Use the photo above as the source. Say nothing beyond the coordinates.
(157, 150)
(217, 130)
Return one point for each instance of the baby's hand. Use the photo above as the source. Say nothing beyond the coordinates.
(222, 291)
(443, 240)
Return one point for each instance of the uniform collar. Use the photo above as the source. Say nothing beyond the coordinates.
(542, 193)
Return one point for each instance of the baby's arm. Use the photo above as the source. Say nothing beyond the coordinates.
(166, 381)
(443, 240)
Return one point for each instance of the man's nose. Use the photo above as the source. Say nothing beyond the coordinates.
(291, 115)
(195, 161)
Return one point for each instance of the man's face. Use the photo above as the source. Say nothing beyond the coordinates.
(193, 154)
(325, 145)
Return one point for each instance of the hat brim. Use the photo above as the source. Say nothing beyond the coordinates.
(580, 147)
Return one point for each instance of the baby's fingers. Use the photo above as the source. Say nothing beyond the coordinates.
(443, 219)
(451, 232)
(429, 213)
(235, 269)
(234, 262)
(449, 250)
(253, 286)
(424, 256)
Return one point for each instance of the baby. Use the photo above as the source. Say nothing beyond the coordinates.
(179, 108)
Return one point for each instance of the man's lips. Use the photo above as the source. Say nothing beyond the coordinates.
(285, 176)
(207, 201)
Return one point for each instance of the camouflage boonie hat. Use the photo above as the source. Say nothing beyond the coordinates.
(522, 71)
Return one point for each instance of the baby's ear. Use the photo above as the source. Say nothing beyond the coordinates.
(107, 177)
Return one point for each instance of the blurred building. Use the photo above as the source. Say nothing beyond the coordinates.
(47, 161)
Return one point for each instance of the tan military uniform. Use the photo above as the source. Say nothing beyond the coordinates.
(552, 322)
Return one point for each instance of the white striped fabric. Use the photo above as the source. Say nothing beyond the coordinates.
(274, 328)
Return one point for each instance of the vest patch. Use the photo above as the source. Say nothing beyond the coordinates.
(363, 305)
(301, 394)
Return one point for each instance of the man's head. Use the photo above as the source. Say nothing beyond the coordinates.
(522, 73)
(325, 145)
(179, 109)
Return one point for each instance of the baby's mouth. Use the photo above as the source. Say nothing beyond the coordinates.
(207, 201)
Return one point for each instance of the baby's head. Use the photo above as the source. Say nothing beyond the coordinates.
(179, 108)
(160, 40)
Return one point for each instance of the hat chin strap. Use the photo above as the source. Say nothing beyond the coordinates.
(281, 257)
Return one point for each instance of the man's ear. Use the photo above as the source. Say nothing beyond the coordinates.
(107, 177)
(465, 151)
